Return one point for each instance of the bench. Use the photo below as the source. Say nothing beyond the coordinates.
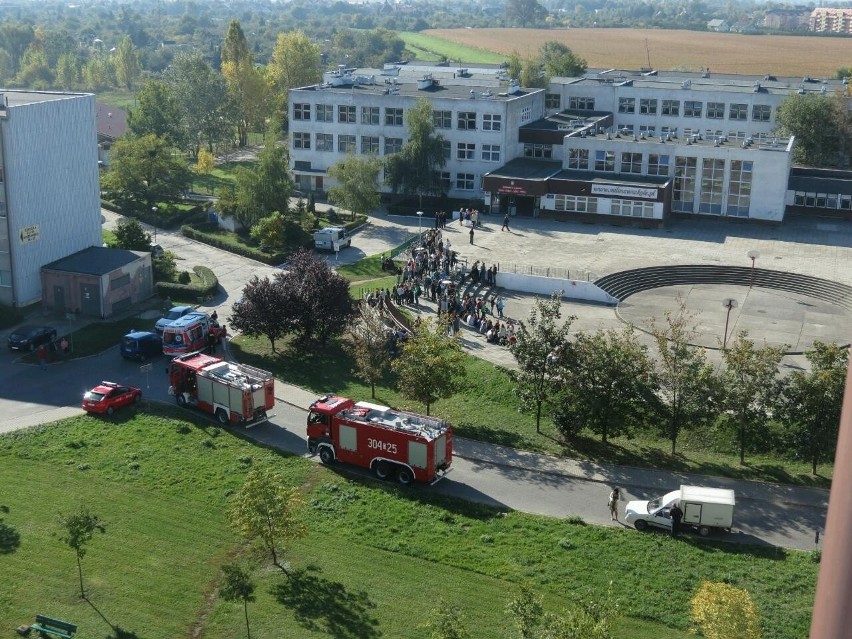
(46, 626)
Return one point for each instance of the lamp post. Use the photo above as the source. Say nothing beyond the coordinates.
(154, 210)
(419, 222)
(753, 255)
(729, 303)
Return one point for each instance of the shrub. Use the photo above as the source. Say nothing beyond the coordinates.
(184, 277)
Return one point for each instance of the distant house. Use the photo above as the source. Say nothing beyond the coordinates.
(718, 24)
(112, 124)
(831, 20)
(787, 19)
(743, 26)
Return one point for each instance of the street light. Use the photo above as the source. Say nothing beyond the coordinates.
(154, 210)
(753, 254)
(729, 303)
(419, 222)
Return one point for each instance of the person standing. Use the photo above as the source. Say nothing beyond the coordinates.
(676, 514)
(614, 498)
(42, 357)
(505, 226)
(471, 233)
(500, 306)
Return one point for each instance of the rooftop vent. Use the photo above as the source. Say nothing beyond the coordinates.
(686, 84)
(514, 87)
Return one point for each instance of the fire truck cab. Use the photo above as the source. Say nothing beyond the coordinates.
(391, 443)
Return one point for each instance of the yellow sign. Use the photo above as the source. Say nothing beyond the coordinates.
(30, 233)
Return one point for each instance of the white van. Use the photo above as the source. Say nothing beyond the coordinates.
(331, 238)
(706, 509)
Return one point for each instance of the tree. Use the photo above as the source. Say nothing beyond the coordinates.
(369, 346)
(67, 75)
(429, 366)
(515, 65)
(416, 169)
(144, 169)
(246, 86)
(237, 586)
(538, 339)
(126, 61)
(271, 231)
(259, 191)
(558, 60)
(317, 305)
(687, 389)
(532, 74)
(526, 610)
(812, 402)
(587, 619)
(78, 528)
(260, 310)
(296, 62)
(751, 384)
(130, 235)
(818, 122)
(445, 622)
(157, 114)
(525, 12)
(357, 184)
(606, 383)
(205, 162)
(722, 611)
(265, 509)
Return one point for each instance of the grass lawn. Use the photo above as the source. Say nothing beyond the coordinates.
(121, 98)
(431, 48)
(221, 175)
(375, 562)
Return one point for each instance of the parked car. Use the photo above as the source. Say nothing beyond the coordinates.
(176, 312)
(29, 338)
(107, 397)
(141, 345)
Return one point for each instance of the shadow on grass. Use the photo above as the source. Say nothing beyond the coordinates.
(10, 538)
(485, 433)
(321, 605)
(120, 633)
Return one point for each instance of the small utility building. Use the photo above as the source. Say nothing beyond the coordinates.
(97, 281)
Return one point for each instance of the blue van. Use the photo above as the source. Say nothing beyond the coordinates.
(141, 345)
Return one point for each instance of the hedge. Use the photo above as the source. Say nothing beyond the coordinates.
(201, 233)
(208, 286)
(168, 215)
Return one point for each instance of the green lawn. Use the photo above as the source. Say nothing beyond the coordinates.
(429, 48)
(221, 176)
(121, 98)
(376, 560)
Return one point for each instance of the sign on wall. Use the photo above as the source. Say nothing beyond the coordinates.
(615, 190)
(30, 234)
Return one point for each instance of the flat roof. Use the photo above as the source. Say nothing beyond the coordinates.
(16, 97)
(95, 260)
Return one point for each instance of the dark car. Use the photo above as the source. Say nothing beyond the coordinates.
(141, 345)
(107, 397)
(29, 338)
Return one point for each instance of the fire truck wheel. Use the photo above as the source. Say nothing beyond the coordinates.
(404, 476)
(222, 416)
(326, 455)
(180, 399)
(382, 470)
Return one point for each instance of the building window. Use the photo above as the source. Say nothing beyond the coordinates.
(683, 198)
(631, 208)
(716, 110)
(370, 144)
(648, 106)
(736, 135)
(465, 151)
(625, 129)
(442, 119)
(692, 109)
(447, 148)
(576, 204)
(492, 121)
(649, 131)
(761, 112)
(325, 142)
(345, 114)
(393, 117)
(346, 143)
(658, 164)
(446, 181)
(491, 152)
(739, 188)
(370, 115)
(631, 163)
(552, 101)
(578, 159)
(466, 121)
(581, 104)
(712, 182)
(538, 151)
(302, 141)
(671, 107)
(301, 111)
(464, 181)
(605, 161)
(526, 114)
(626, 105)
(393, 145)
(738, 112)
(845, 201)
(325, 112)
(711, 134)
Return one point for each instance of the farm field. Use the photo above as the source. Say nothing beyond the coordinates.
(669, 50)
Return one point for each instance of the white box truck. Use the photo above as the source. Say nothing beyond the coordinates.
(331, 238)
(705, 509)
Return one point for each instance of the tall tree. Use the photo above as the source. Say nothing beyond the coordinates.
(266, 509)
(540, 340)
(260, 311)
(416, 169)
(369, 346)
(295, 62)
(246, 86)
(817, 123)
(126, 60)
(260, 190)
(812, 403)
(430, 365)
(237, 586)
(525, 12)
(558, 60)
(687, 394)
(130, 235)
(157, 113)
(606, 383)
(751, 385)
(78, 528)
(357, 184)
(144, 169)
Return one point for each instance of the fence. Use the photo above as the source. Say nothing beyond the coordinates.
(559, 272)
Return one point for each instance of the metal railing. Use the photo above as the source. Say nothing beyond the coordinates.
(560, 272)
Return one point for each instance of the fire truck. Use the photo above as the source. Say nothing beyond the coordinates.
(391, 443)
(234, 393)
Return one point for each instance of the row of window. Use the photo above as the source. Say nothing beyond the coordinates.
(628, 162)
(624, 208)
(650, 130)
(655, 106)
(709, 187)
(370, 145)
(841, 201)
(372, 115)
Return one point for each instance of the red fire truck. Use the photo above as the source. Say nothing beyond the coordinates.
(234, 393)
(390, 442)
